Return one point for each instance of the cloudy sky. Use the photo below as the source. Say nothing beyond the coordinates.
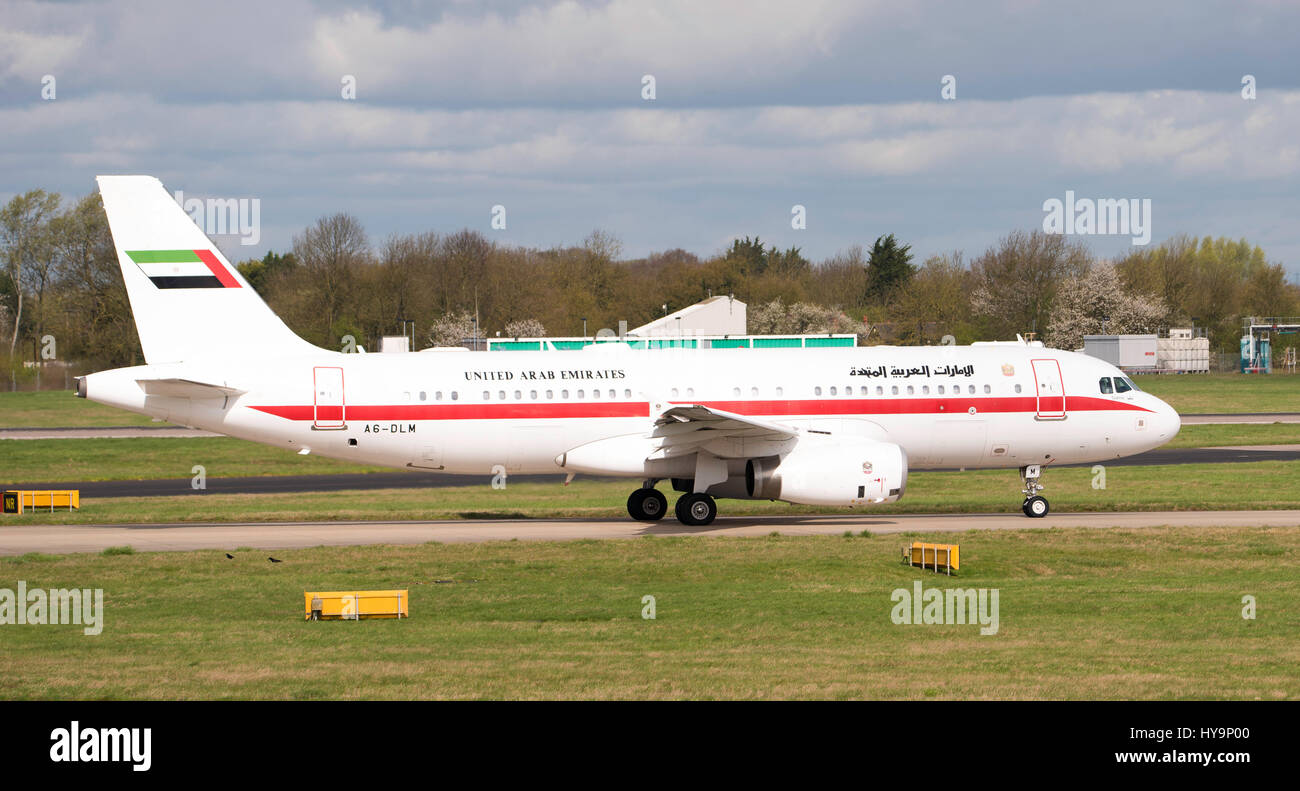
(759, 106)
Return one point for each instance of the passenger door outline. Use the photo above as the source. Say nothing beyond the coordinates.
(329, 407)
(1049, 389)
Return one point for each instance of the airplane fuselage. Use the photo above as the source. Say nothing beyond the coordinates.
(996, 405)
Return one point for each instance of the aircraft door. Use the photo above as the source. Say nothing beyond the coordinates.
(1049, 388)
(328, 404)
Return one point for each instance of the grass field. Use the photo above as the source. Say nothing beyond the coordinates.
(1152, 613)
(137, 458)
(1252, 485)
(57, 408)
(1210, 435)
(114, 459)
(1198, 393)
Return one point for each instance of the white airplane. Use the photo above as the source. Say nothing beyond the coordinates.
(837, 426)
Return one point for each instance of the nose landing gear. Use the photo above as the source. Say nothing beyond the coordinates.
(1034, 506)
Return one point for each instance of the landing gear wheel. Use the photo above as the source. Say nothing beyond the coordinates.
(1035, 507)
(647, 505)
(695, 509)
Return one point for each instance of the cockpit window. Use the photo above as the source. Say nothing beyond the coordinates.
(1122, 385)
(1105, 385)
(1132, 385)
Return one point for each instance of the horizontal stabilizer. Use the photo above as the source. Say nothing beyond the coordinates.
(186, 388)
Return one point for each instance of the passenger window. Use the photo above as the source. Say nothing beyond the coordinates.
(862, 391)
(910, 390)
(487, 396)
(455, 395)
(893, 390)
(940, 389)
(753, 392)
(1105, 385)
(626, 394)
(422, 394)
(564, 394)
(1121, 385)
(437, 396)
(581, 393)
(987, 389)
(532, 394)
(550, 394)
(519, 396)
(925, 390)
(501, 395)
(735, 392)
(833, 391)
(970, 389)
(1017, 388)
(779, 391)
(880, 390)
(817, 391)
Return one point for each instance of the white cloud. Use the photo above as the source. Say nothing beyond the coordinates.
(30, 56)
(1171, 133)
(761, 105)
(579, 46)
(705, 53)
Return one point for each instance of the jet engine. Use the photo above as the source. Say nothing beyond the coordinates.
(858, 472)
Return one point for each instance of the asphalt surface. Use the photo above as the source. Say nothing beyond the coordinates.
(1226, 455)
(265, 484)
(166, 487)
(294, 535)
(1240, 418)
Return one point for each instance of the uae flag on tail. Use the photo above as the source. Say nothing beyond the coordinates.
(183, 268)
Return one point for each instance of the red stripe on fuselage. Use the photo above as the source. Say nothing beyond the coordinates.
(213, 264)
(365, 412)
(857, 407)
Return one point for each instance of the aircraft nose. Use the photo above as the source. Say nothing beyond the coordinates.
(1167, 422)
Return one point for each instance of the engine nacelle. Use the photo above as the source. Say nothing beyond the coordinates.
(857, 472)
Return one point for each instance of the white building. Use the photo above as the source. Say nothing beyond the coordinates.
(713, 316)
(1182, 351)
(715, 323)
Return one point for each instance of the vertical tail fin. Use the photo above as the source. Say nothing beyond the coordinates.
(189, 303)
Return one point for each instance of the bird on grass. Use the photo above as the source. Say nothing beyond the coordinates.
(229, 556)
(273, 560)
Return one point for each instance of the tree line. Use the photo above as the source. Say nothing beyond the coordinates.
(61, 282)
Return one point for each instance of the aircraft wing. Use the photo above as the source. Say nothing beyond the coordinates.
(681, 428)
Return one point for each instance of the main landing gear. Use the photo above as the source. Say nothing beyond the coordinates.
(1034, 506)
(647, 504)
(696, 509)
(693, 509)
